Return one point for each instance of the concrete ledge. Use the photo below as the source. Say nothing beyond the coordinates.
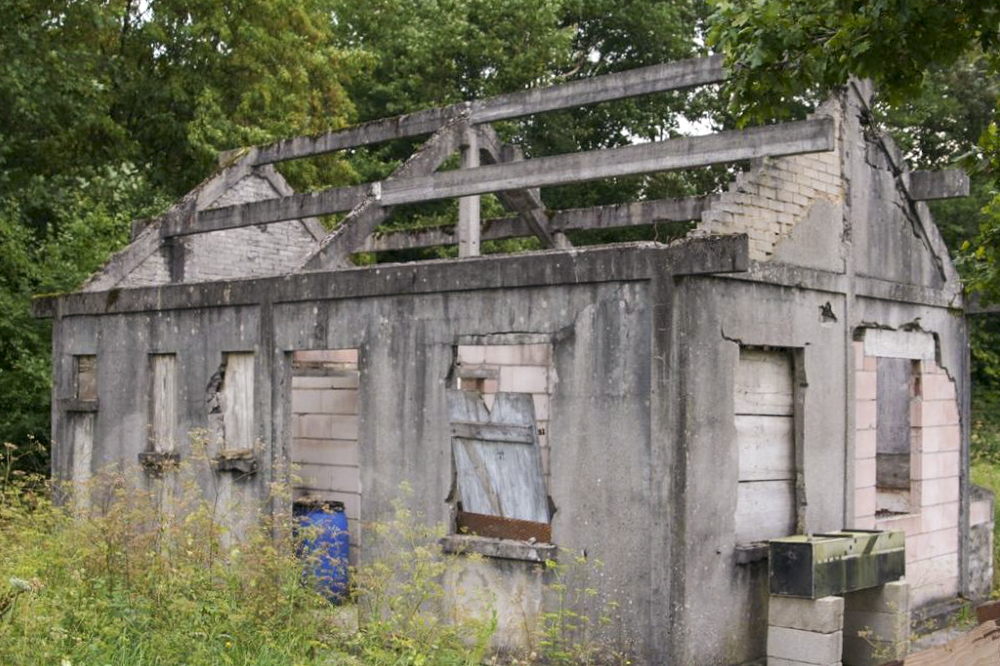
(504, 549)
(615, 263)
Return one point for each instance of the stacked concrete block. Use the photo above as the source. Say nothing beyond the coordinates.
(931, 525)
(877, 624)
(865, 415)
(325, 416)
(767, 201)
(804, 631)
(524, 368)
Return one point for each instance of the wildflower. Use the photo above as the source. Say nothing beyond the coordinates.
(20, 584)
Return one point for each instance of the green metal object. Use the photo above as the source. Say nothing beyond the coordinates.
(820, 565)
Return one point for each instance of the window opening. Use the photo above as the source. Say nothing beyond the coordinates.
(765, 439)
(162, 402)
(896, 388)
(499, 412)
(325, 450)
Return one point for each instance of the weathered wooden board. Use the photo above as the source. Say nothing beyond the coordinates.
(498, 472)
(766, 447)
(894, 395)
(86, 377)
(162, 402)
(764, 510)
(764, 383)
(236, 401)
(765, 438)
(979, 647)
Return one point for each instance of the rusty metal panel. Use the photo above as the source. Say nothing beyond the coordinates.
(503, 528)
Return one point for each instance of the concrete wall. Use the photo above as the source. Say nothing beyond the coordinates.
(981, 535)
(714, 321)
(524, 368)
(600, 340)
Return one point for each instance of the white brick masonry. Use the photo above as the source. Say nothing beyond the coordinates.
(767, 201)
(264, 250)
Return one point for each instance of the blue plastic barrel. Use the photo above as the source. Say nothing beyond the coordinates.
(326, 544)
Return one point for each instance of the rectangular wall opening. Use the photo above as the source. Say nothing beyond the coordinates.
(896, 390)
(499, 420)
(765, 438)
(162, 403)
(324, 451)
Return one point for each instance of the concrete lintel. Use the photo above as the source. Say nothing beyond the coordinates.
(915, 345)
(620, 262)
(943, 184)
(807, 136)
(504, 549)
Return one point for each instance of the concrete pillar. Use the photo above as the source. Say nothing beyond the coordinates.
(468, 207)
(877, 624)
(804, 632)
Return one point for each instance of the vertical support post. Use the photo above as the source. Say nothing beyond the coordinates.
(468, 207)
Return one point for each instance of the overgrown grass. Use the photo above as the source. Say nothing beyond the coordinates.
(129, 583)
(134, 578)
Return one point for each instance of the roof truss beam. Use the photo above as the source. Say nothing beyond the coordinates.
(807, 136)
(619, 85)
(335, 250)
(527, 202)
(643, 213)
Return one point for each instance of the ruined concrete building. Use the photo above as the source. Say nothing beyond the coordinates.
(797, 365)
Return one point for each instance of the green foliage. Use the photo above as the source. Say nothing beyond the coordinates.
(569, 634)
(986, 473)
(780, 50)
(108, 111)
(140, 581)
(136, 584)
(400, 596)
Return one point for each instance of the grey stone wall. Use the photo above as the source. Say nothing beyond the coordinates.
(981, 535)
